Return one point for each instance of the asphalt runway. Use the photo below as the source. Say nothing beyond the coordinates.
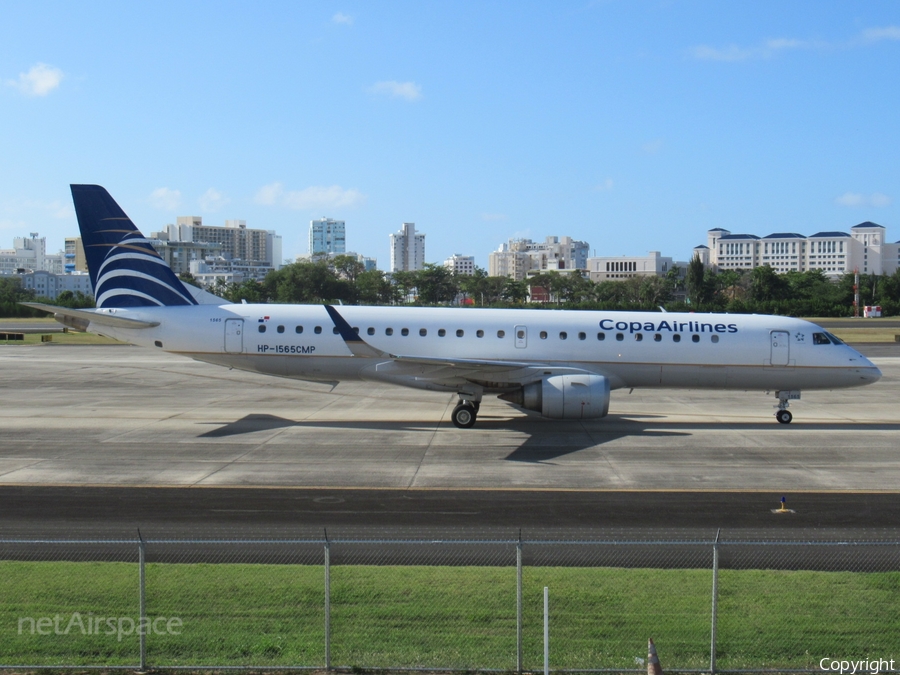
(99, 441)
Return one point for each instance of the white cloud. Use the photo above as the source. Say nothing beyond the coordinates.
(40, 80)
(269, 194)
(871, 35)
(494, 217)
(606, 185)
(165, 199)
(766, 50)
(406, 90)
(340, 17)
(333, 196)
(854, 199)
(771, 48)
(213, 200)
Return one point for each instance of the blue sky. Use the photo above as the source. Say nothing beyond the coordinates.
(634, 126)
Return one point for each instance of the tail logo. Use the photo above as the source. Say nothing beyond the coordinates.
(132, 268)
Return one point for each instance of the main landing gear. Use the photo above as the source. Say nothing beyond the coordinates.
(465, 413)
(782, 414)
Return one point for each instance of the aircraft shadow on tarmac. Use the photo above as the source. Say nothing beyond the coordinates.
(547, 439)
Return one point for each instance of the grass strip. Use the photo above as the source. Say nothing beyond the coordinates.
(452, 617)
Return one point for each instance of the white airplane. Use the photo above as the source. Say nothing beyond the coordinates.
(561, 364)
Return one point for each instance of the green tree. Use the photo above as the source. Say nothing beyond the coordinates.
(766, 285)
(436, 285)
(12, 293)
(698, 283)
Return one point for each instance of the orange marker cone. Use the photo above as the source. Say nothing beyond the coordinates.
(653, 667)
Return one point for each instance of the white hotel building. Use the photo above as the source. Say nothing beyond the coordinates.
(835, 253)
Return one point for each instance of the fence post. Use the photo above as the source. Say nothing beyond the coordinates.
(327, 603)
(519, 604)
(715, 605)
(142, 623)
(546, 630)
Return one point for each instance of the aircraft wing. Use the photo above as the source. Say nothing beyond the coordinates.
(443, 369)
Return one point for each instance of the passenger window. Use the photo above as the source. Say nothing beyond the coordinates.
(820, 339)
(543, 335)
(657, 337)
(619, 337)
(262, 328)
(638, 337)
(521, 335)
(423, 332)
(676, 338)
(695, 337)
(388, 331)
(479, 333)
(601, 336)
(460, 332)
(335, 330)
(370, 330)
(714, 338)
(317, 330)
(582, 336)
(441, 332)
(280, 329)
(404, 332)
(501, 333)
(298, 330)
(563, 335)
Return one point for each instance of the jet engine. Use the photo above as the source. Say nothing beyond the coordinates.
(564, 397)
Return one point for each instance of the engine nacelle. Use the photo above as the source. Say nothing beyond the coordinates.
(564, 397)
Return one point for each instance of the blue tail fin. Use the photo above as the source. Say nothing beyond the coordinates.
(126, 271)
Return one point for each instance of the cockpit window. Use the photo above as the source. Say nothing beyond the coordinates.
(834, 340)
(820, 339)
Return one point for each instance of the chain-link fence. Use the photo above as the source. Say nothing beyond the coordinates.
(720, 605)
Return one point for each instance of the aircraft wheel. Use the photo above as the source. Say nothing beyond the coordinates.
(784, 416)
(463, 416)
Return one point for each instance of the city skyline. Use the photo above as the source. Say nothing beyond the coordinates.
(478, 123)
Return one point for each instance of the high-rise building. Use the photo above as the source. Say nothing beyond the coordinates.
(327, 236)
(74, 256)
(520, 256)
(30, 253)
(461, 264)
(235, 241)
(407, 249)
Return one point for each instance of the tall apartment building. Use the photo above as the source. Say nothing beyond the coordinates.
(74, 256)
(189, 240)
(835, 253)
(30, 253)
(327, 236)
(407, 249)
(461, 264)
(518, 257)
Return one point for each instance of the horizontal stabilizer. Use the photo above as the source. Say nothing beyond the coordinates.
(89, 316)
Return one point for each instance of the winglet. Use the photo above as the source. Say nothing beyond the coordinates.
(356, 345)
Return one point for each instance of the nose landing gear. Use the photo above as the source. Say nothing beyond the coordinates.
(783, 415)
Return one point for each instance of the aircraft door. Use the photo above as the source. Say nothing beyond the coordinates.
(234, 336)
(781, 347)
(521, 337)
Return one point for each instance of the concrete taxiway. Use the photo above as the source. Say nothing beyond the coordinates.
(125, 416)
